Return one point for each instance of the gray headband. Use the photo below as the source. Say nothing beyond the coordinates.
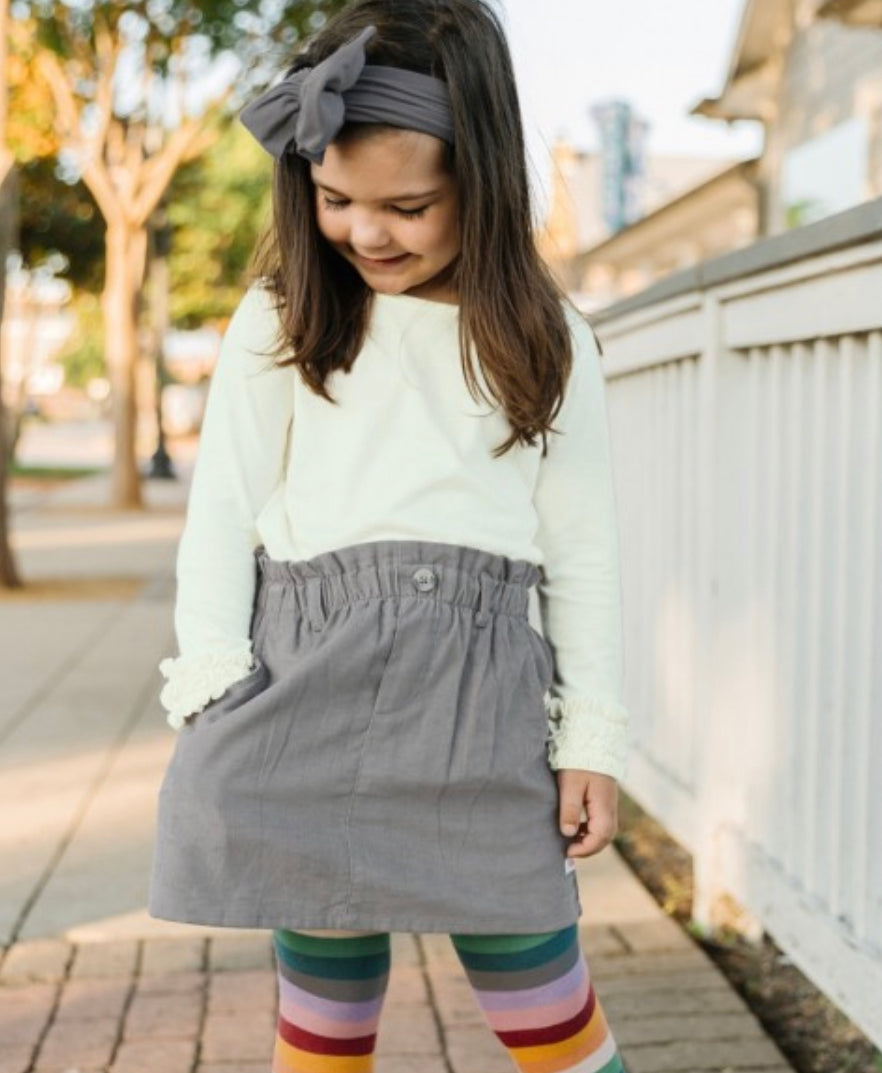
(305, 111)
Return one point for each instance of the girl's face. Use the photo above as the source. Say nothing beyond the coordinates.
(386, 203)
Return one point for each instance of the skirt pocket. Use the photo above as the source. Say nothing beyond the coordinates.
(237, 694)
(539, 678)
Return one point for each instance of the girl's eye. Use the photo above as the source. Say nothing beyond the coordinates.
(335, 205)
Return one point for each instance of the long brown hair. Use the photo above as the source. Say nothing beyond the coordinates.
(510, 307)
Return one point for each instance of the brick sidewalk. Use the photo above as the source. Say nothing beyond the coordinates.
(208, 1005)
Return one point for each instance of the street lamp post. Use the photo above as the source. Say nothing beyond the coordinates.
(160, 231)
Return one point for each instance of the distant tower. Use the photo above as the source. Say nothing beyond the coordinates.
(622, 141)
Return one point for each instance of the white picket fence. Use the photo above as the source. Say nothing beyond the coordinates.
(745, 402)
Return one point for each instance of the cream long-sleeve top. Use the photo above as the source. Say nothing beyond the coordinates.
(405, 455)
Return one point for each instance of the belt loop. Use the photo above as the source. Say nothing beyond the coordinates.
(482, 616)
(314, 608)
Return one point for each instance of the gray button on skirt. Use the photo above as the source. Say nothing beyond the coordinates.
(383, 766)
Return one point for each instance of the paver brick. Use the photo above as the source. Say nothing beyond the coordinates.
(164, 1017)
(735, 1055)
(226, 1038)
(178, 983)
(115, 957)
(406, 986)
(438, 949)
(253, 990)
(167, 956)
(405, 948)
(682, 961)
(15, 1058)
(235, 953)
(404, 1030)
(90, 999)
(782, 1068)
(598, 940)
(79, 1043)
(235, 1067)
(24, 994)
(415, 1063)
(66, 1067)
(702, 979)
(650, 1003)
(35, 960)
(21, 1031)
(705, 1026)
(155, 1056)
(650, 936)
(454, 997)
(24, 1012)
(471, 1048)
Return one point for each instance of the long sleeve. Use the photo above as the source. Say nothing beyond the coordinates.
(240, 461)
(579, 591)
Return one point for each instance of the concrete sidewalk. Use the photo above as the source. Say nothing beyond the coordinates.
(89, 982)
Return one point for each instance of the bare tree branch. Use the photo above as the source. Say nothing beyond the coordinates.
(49, 67)
(107, 49)
(95, 174)
(157, 171)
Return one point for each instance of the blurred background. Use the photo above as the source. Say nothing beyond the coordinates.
(708, 191)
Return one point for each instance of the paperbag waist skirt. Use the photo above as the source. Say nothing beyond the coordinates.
(383, 766)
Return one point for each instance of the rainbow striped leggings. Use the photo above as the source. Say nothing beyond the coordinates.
(534, 990)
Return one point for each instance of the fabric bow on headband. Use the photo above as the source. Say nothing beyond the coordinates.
(306, 110)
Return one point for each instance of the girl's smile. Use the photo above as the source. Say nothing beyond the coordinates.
(387, 204)
(384, 262)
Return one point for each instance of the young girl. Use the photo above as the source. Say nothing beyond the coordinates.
(406, 431)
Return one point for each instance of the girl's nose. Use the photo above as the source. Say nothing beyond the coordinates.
(367, 233)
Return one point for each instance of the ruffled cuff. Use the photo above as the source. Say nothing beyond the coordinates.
(194, 681)
(587, 733)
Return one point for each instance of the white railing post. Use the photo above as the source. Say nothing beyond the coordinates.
(705, 879)
(719, 549)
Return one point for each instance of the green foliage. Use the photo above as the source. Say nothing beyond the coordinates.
(30, 129)
(62, 216)
(51, 473)
(800, 213)
(217, 205)
(83, 357)
(261, 33)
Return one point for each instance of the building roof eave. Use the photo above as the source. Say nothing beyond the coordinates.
(853, 12)
(751, 82)
(722, 108)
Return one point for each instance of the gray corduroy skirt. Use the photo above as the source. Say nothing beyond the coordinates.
(383, 766)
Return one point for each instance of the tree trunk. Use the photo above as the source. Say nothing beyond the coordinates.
(126, 250)
(9, 577)
(17, 398)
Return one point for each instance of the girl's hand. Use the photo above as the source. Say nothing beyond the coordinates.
(599, 794)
